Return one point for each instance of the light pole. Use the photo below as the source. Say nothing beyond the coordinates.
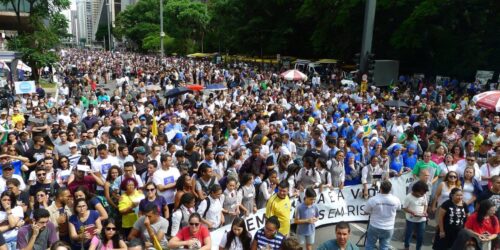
(366, 44)
(108, 3)
(162, 34)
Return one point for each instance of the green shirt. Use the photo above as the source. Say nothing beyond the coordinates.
(422, 165)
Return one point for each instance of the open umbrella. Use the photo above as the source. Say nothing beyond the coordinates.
(177, 91)
(488, 100)
(153, 88)
(396, 104)
(294, 75)
(195, 87)
(215, 87)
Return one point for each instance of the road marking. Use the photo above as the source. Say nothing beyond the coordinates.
(359, 227)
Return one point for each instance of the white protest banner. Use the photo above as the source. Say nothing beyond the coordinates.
(25, 87)
(334, 206)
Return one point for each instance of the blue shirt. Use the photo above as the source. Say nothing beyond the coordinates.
(305, 212)
(262, 240)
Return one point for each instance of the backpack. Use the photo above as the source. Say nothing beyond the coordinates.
(206, 210)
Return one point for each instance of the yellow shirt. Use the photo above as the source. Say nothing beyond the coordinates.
(478, 140)
(126, 201)
(17, 118)
(280, 208)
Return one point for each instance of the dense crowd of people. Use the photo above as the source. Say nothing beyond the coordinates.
(109, 163)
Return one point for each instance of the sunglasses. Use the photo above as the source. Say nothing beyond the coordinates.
(194, 224)
(470, 160)
(41, 174)
(111, 229)
(452, 177)
(150, 189)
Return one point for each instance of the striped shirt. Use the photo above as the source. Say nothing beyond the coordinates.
(263, 241)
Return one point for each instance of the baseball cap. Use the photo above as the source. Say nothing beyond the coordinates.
(72, 145)
(140, 150)
(7, 166)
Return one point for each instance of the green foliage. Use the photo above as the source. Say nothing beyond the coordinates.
(152, 43)
(450, 37)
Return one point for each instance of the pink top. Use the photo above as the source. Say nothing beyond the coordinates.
(95, 242)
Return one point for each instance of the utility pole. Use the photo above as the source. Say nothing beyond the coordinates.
(162, 34)
(366, 43)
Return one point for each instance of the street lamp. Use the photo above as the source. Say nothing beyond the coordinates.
(108, 3)
(162, 34)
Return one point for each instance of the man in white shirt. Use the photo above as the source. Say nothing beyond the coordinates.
(382, 209)
(7, 173)
(103, 163)
(165, 179)
(210, 208)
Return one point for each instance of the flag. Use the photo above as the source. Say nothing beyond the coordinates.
(3, 65)
(367, 130)
(22, 66)
(154, 127)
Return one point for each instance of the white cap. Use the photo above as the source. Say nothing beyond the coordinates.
(83, 168)
(72, 145)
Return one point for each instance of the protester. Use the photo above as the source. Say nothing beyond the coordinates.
(195, 235)
(109, 238)
(41, 234)
(84, 224)
(451, 219)
(484, 224)
(341, 241)
(13, 214)
(279, 205)
(415, 206)
(238, 238)
(382, 210)
(306, 215)
(269, 236)
(150, 227)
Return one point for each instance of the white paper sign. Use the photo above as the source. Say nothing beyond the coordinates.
(25, 87)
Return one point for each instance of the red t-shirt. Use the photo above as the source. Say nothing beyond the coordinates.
(185, 234)
(490, 225)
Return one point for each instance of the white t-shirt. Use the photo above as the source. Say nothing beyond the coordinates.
(382, 209)
(462, 164)
(445, 170)
(3, 182)
(491, 171)
(165, 177)
(17, 212)
(214, 211)
(416, 205)
(103, 165)
(235, 245)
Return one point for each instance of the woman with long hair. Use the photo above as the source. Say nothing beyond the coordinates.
(111, 197)
(109, 239)
(247, 194)
(180, 216)
(13, 215)
(83, 224)
(41, 199)
(457, 152)
(483, 224)
(450, 182)
(238, 238)
(471, 188)
(447, 165)
(451, 219)
(63, 171)
(93, 201)
(183, 185)
(153, 197)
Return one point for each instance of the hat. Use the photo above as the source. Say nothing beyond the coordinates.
(4, 112)
(487, 142)
(72, 145)
(7, 166)
(140, 150)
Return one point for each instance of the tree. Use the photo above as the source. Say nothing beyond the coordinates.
(37, 41)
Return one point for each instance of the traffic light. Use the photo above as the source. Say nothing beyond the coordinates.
(357, 61)
(370, 70)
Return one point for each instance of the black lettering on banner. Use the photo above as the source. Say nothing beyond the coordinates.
(351, 210)
(250, 225)
(372, 192)
(340, 195)
(362, 208)
(261, 221)
(355, 194)
(321, 214)
(321, 199)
